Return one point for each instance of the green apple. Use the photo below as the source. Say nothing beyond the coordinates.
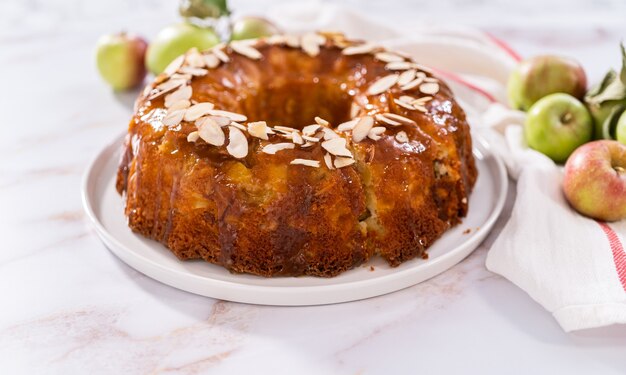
(203, 8)
(594, 180)
(120, 60)
(556, 125)
(544, 75)
(252, 27)
(620, 131)
(175, 40)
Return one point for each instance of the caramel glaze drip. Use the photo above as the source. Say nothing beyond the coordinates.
(263, 216)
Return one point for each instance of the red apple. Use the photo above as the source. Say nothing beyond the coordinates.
(120, 60)
(595, 180)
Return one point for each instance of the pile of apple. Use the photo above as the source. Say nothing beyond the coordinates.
(123, 59)
(586, 130)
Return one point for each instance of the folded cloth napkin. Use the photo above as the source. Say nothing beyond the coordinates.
(573, 266)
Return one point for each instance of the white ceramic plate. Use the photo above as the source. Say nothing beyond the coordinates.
(105, 209)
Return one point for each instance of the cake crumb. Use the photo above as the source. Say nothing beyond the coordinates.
(467, 231)
(372, 268)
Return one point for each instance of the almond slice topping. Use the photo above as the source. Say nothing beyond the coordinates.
(183, 93)
(328, 161)
(329, 134)
(173, 117)
(429, 88)
(168, 86)
(194, 59)
(383, 84)
(237, 143)
(210, 131)
(382, 118)
(231, 115)
(359, 49)
(348, 125)
(336, 146)
(307, 162)
(176, 64)
(311, 43)
(399, 65)
(402, 137)
(404, 104)
(413, 84)
(401, 119)
(362, 128)
(258, 129)
(321, 121)
(211, 61)
(181, 104)
(406, 77)
(198, 110)
(376, 132)
(193, 71)
(343, 162)
(193, 136)
(388, 57)
(221, 55)
(310, 129)
(246, 50)
(297, 138)
(273, 148)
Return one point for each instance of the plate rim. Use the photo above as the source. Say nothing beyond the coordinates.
(169, 277)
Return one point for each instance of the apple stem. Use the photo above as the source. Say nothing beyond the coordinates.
(566, 118)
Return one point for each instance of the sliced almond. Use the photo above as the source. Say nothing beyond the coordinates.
(407, 99)
(383, 84)
(183, 76)
(297, 138)
(210, 131)
(284, 129)
(181, 104)
(328, 161)
(258, 129)
(376, 132)
(174, 117)
(360, 49)
(402, 137)
(311, 43)
(176, 64)
(221, 120)
(362, 128)
(211, 61)
(404, 104)
(336, 146)
(194, 59)
(307, 144)
(292, 41)
(329, 133)
(321, 121)
(231, 115)
(399, 65)
(413, 84)
(276, 39)
(310, 129)
(167, 86)
(238, 126)
(237, 143)
(273, 148)
(183, 93)
(307, 162)
(348, 125)
(221, 55)
(246, 50)
(193, 71)
(388, 57)
(343, 162)
(429, 88)
(382, 118)
(406, 77)
(401, 119)
(310, 139)
(198, 110)
(193, 136)
(354, 110)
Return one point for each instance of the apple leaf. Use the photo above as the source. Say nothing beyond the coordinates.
(622, 74)
(612, 86)
(609, 126)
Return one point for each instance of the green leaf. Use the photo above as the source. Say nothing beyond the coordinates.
(612, 86)
(609, 126)
(623, 72)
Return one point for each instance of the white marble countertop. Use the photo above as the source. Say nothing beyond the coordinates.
(70, 306)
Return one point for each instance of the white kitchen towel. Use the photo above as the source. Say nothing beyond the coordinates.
(573, 266)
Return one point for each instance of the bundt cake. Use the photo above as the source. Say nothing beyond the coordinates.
(296, 155)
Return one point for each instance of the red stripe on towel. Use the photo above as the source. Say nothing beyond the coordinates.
(459, 79)
(619, 257)
(505, 47)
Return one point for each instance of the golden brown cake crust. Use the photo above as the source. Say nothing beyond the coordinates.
(262, 215)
